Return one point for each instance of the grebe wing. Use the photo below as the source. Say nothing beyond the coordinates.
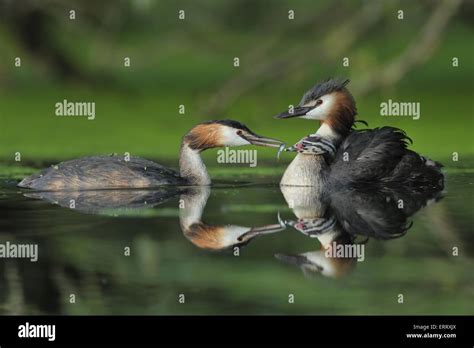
(418, 172)
(102, 172)
(368, 155)
(381, 156)
(156, 173)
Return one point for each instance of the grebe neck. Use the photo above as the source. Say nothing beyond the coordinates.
(326, 131)
(191, 166)
(193, 204)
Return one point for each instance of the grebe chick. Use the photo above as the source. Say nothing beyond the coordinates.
(107, 172)
(338, 155)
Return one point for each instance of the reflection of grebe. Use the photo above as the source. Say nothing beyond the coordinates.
(367, 157)
(115, 172)
(337, 218)
(214, 237)
(109, 202)
(322, 261)
(311, 206)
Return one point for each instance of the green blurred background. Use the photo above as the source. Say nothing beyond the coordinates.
(190, 62)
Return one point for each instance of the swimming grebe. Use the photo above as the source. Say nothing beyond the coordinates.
(106, 172)
(214, 237)
(339, 155)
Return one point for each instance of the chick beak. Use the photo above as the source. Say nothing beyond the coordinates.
(295, 112)
(255, 139)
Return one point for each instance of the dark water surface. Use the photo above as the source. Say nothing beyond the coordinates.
(81, 252)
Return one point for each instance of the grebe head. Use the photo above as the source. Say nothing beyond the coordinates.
(209, 135)
(214, 237)
(325, 261)
(222, 133)
(329, 102)
(315, 263)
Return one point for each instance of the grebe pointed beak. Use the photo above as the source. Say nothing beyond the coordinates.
(258, 140)
(296, 112)
(259, 231)
(292, 259)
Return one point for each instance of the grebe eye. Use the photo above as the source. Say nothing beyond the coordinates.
(239, 132)
(319, 102)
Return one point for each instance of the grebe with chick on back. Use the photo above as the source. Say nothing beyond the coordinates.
(110, 172)
(339, 155)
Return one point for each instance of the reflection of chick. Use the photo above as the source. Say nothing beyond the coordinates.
(210, 236)
(317, 262)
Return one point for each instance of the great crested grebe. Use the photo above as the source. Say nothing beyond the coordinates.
(214, 237)
(106, 172)
(339, 155)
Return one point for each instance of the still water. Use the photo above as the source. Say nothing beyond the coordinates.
(239, 248)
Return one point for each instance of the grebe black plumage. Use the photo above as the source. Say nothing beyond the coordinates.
(337, 154)
(107, 172)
